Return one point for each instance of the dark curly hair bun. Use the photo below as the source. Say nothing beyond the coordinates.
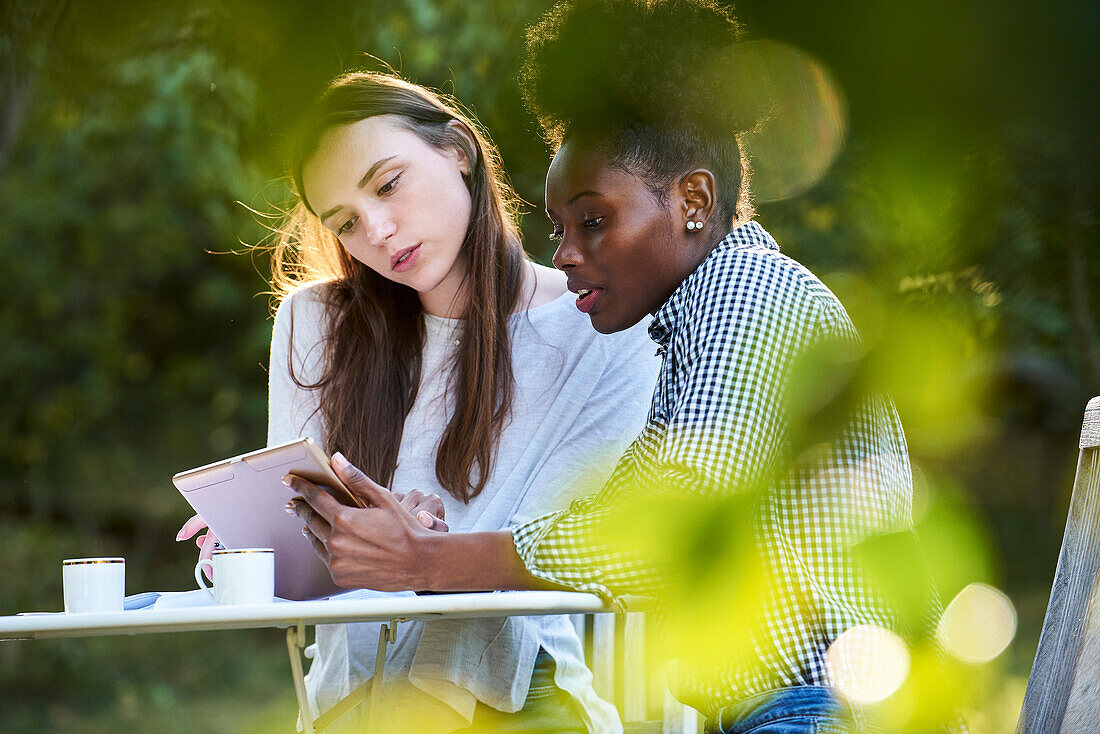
(595, 64)
(653, 84)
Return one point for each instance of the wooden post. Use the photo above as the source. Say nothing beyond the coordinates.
(1061, 673)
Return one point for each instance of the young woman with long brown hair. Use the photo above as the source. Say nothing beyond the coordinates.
(415, 336)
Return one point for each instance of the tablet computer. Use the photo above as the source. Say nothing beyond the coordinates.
(242, 499)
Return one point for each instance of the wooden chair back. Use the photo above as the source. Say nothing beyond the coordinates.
(1063, 690)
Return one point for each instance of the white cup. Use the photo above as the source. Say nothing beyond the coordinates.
(241, 575)
(93, 584)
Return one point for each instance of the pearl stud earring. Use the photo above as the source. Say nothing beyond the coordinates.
(692, 225)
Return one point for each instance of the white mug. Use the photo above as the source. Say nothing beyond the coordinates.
(241, 575)
(93, 584)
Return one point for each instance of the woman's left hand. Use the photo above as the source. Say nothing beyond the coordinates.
(428, 509)
(381, 546)
(206, 542)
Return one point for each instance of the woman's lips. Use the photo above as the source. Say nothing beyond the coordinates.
(586, 299)
(399, 265)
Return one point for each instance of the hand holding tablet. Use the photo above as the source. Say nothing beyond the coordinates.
(380, 547)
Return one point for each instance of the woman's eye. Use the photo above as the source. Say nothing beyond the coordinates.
(389, 186)
(557, 234)
(347, 227)
(592, 223)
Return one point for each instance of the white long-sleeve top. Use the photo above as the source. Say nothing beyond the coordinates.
(579, 399)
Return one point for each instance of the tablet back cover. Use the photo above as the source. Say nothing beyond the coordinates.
(242, 500)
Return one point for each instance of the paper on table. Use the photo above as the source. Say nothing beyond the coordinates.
(140, 601)
(184, 599)
(200, 598)
(181, 599)
(369, 594)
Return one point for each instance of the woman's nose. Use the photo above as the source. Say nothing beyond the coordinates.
(380, 227)
(567, 255)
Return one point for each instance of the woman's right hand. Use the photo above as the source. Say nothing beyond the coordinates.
(205, 542)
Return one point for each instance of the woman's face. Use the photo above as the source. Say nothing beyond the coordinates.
(397, 204)
(623, 251)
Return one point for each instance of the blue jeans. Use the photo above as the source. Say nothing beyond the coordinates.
(797, 710)
(547, 710)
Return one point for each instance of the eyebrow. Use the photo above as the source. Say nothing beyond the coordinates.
(362, 182)
(582, 194)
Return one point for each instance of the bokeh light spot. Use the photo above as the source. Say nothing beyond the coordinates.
(978, 624)
(805, 123)
(868, 663)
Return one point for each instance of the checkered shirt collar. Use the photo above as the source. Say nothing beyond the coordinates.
(666, 320)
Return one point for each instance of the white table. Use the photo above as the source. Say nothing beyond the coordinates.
(295, 616)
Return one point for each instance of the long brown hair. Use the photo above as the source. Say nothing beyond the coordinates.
(375, 332)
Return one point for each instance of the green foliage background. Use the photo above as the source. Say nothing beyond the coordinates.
(959, 222)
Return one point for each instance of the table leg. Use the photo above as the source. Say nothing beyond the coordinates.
(295, 643)
(386, 635)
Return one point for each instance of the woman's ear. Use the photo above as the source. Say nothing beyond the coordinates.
(465, 146)
(696, 194)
